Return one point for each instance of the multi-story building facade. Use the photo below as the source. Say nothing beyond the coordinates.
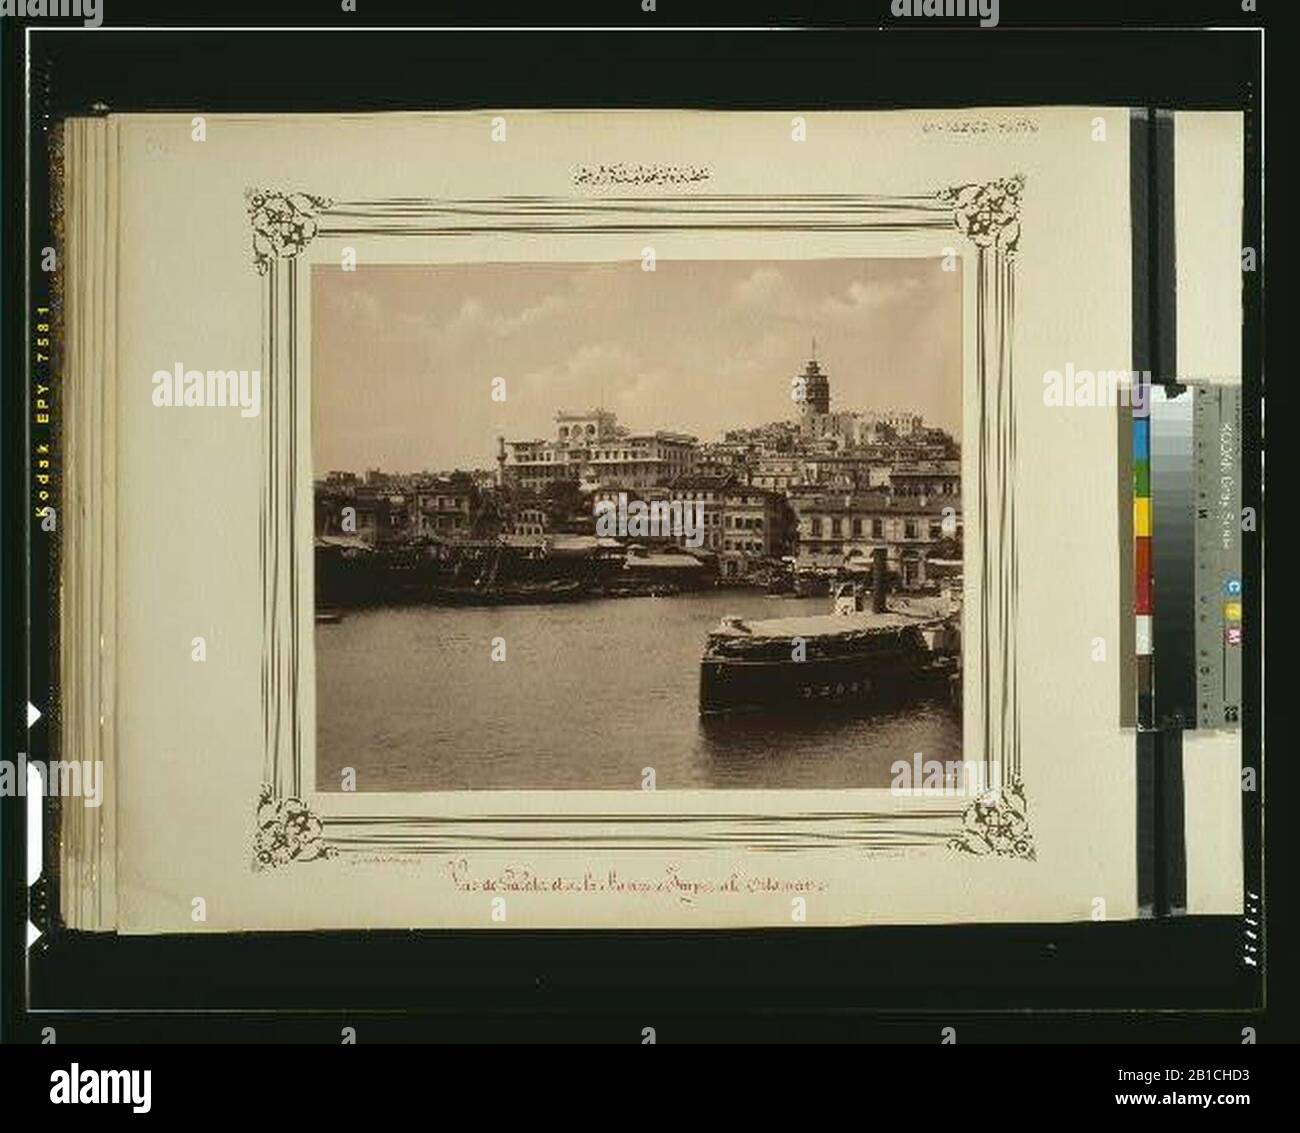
(904, 422)
(529, 521)
(778, 472)
(582, 430)
(834, 528)
(755, 526)
(442, 508)
(593, 450)
(642, 460)
(537, 463)
(743, 524)
(394, 508)
(734, 458)
(926, 478)
(705, 492)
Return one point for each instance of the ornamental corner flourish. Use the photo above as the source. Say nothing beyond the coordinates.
(287, 831)
(988, 212)
(283, 223)
(997, 824)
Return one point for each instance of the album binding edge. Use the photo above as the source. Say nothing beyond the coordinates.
(84, 716)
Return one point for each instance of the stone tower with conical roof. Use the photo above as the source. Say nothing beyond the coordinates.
(815, 384)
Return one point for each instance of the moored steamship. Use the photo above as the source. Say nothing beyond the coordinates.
(895, 649)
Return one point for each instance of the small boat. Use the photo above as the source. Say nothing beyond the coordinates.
(643, 589)
(328, 616)
(507, 594)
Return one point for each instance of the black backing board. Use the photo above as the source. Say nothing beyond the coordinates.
(440, 985)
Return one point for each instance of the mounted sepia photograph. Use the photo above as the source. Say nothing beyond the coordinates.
(580, 525)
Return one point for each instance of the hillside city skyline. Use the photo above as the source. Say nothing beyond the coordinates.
(568, 338)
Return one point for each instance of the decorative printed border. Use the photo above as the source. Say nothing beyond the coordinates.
(986, 215)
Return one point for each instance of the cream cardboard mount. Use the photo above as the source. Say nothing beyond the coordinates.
(186, 525)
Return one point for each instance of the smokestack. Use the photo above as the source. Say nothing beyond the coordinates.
(878, 584)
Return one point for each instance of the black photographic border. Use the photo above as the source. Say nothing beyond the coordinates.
(889, 983)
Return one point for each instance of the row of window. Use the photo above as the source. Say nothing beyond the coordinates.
(367, 520)
(643, 455)
(751, 546)
(840, 527)
(904, 487)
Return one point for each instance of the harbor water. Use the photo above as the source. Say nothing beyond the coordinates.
(589, 695)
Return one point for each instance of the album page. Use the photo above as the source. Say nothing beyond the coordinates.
(629, 519)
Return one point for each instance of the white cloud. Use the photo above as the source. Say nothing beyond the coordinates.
(588, 367)
(864, 296)
(474, 315)
(356, 306)
(763, 287)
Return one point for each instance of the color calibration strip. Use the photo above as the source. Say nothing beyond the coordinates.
(1220, 591)
(1143, 576)
(1188, 588)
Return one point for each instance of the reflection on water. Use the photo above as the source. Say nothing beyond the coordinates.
(589, 695)
(833, 747)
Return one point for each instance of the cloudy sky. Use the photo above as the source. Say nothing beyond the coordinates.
(403, 357)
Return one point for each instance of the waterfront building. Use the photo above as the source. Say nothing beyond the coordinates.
(756, 526)
(708, 491)
(744, 525)
(529, 521)
(836, 528)
(442, 508)
(390, 509)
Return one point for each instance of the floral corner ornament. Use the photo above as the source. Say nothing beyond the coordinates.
(988, 213)
(287, 831)
(997, 824)
(283, 224)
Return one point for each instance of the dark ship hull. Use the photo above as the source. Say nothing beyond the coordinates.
(882, 667)
(854, 656)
